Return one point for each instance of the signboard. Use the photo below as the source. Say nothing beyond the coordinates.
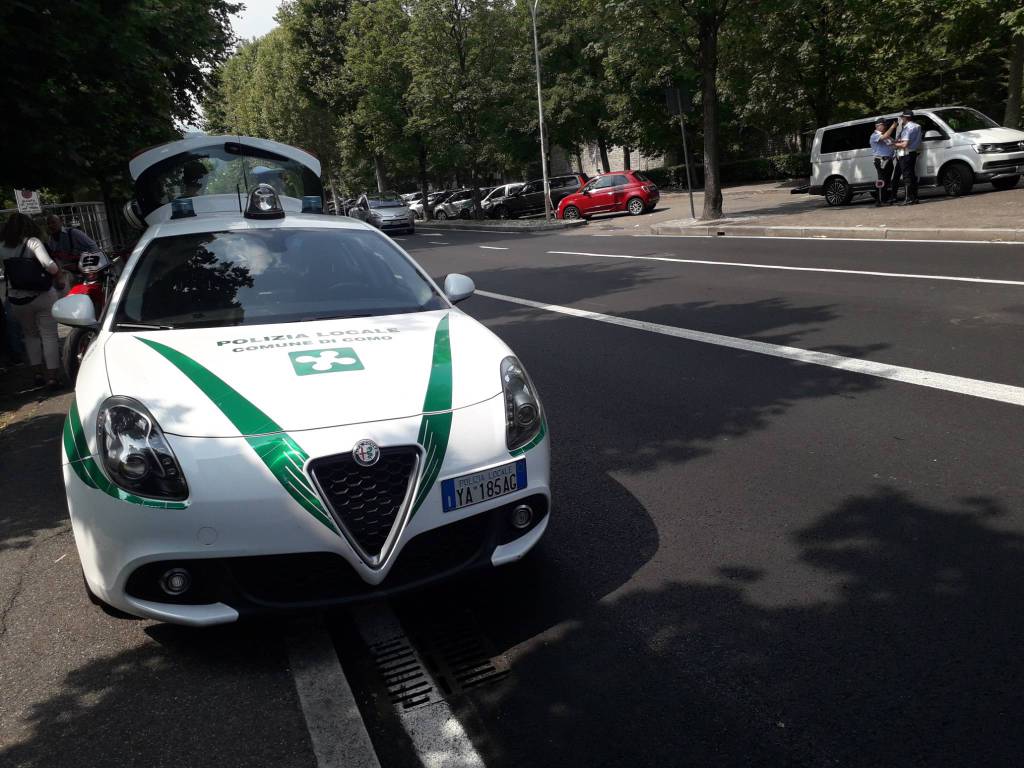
(28, 201)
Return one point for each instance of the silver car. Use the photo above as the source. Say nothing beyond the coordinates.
(386, 212)
(433, 199)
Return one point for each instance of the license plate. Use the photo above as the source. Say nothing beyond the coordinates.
(459, 492)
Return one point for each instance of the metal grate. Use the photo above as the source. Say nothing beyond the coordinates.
(455, 649)
(407, 682)
(367, 502)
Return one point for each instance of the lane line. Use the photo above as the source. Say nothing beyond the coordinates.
(493, 248)
(335, 726)
(440, 242)
(988, 390)
(437, 735)
(990, 281)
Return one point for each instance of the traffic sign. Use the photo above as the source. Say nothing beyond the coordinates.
(28, 201)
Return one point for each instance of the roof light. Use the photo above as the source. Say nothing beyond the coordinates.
(312, 204)
(264, 203)
(182, 208)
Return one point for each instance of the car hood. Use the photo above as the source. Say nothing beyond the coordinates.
(257, 379)
(993, 135)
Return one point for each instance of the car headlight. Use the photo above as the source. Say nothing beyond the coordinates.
(984, 149)
(522, 407)
(134, 452)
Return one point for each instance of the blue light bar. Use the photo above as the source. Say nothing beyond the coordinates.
(312, 204)
(182, 208)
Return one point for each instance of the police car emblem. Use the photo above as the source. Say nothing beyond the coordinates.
(366, 453)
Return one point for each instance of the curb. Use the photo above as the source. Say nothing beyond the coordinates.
(519, 225)
(857, 233)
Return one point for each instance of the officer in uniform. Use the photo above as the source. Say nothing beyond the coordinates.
(908, 145)
(884, 158)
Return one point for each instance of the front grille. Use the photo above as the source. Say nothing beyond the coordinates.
(367, 502)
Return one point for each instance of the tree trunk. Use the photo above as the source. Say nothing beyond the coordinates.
(579, 160)
(334, 198)
(421, 154)
(709, 95)
(378, 168)
(626, 159)
(476, 212)
(1013, 86)
(602, 145)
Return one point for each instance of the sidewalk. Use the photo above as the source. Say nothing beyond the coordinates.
(770, 210)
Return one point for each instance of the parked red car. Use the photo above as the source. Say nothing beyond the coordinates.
(628, 191)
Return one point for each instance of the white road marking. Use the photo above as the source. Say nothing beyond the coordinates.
(988, 390)
(335, 726)
(990, 281)
(493, 248)
(437, 735)
(438, 242)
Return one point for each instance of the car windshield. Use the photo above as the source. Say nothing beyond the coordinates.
(962, 119)
(270, 276)
(385, 201)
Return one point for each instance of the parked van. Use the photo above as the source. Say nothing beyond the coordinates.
(960, 147)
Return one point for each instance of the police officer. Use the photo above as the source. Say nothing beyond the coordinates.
(884, 158)
(908, 145)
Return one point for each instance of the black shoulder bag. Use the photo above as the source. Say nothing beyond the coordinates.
(25, 273)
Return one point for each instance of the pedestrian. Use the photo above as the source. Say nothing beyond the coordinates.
(67, 244)
(31, 277)
(908, 145)
(884, 158)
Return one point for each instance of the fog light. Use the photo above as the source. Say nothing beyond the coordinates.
(522, 516)
(175, 581)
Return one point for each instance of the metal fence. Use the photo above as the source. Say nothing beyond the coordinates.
(110, 233)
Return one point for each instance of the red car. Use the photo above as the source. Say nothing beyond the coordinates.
(628, 191)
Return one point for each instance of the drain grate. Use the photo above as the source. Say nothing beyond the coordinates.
(457, 653)
(408, 683)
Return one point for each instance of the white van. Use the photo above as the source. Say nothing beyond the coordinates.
(960, 146)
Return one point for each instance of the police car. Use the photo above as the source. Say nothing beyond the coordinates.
(282, 410)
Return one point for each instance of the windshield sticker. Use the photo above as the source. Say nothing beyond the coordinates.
(325, 361)
(279, 340)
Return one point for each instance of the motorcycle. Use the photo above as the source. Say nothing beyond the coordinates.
(99, 276)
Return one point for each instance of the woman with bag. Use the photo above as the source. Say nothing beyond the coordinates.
(31, 275)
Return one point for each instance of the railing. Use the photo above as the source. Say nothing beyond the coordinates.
(90, 217)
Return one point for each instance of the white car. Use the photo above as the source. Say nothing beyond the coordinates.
(960, 147)
(282, 410)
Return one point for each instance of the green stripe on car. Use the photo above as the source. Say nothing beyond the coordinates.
(279, 452)
(435, 427)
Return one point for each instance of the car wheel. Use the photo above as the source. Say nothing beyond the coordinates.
(635, 206)
(503, 213)
(1005, 182)
(957, 179)
(464, 214)
(571, 212)
(837, 191)
(412, 230)
(75, 347)
(440, 215)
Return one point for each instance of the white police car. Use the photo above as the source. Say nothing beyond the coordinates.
(282, 410)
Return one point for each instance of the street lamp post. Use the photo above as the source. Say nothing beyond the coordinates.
(540, 114)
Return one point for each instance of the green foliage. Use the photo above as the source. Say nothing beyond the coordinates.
(88, 83)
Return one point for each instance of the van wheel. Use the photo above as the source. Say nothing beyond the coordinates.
(1005, 182)
(837, 191)
(957, 179)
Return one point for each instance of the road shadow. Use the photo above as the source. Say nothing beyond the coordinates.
(219, 696)
(904, 650)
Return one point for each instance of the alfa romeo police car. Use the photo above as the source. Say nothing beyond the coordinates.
(282, 410)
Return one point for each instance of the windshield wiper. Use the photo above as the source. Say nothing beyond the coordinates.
(311, 318)
(144, 327)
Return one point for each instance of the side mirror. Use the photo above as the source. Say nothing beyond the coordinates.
(76, 310)
(457, 287)
(933, 136)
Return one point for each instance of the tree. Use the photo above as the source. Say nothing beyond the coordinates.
(90, 82)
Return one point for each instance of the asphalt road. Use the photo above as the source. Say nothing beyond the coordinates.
(751, 560)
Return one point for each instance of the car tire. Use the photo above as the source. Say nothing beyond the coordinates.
(1005, 182)
(502, 212)
(440, 215)
(75, 347)
(957, 179)
(838, 191)
(635, 206)
(571, 213)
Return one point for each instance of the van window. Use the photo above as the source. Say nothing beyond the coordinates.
(844, 139)
(962, 119)
(927, 124)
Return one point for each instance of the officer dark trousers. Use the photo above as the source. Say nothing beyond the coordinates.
(884, 167)
(908, 169)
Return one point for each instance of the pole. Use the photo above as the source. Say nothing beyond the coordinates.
(540, 117)
(686, 154)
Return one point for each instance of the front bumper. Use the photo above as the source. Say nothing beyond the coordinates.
(250, 548)
(388, 225)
